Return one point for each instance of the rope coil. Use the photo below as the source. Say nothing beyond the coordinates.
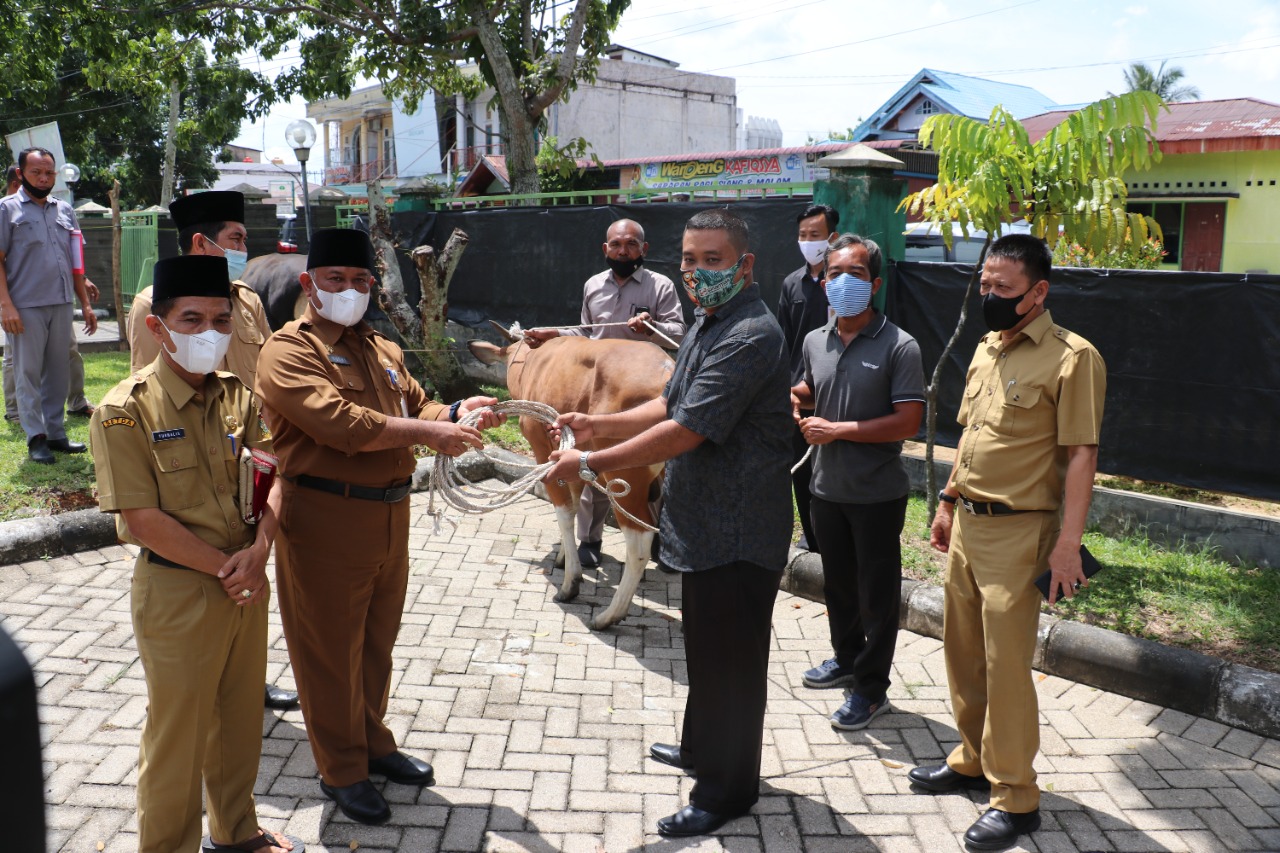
(474, 499)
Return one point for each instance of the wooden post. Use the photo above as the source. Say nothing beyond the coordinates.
(117, 292)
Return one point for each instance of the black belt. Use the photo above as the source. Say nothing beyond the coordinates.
(976, 508)
(153, 557)
(395, 494)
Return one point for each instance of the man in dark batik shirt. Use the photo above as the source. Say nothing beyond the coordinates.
(723, 427)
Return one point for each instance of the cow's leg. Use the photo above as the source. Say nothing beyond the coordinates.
(638, 544)
(565, 515)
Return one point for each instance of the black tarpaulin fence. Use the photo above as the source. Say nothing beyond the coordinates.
(1193, 365)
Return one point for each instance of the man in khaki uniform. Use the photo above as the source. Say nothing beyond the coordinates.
(212, 224)
(345, 415)
(1023, 475)
(164, 444)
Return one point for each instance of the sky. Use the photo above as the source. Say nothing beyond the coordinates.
(818, 66)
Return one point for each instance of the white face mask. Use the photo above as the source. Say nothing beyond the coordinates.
(346, 308)
(200, 353)
(813, 250)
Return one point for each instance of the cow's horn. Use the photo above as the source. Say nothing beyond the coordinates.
(502, 330)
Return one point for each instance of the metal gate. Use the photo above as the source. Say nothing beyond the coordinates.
(139, 249)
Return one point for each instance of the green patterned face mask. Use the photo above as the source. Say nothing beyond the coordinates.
(713, 288)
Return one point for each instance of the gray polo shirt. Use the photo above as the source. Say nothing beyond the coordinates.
(880, 367)
(36, 241)
(729, 499)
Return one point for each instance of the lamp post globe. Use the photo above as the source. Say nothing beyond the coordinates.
(300, 136)
(70, 173)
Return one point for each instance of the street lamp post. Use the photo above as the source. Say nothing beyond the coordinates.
(70, 174)
(301, 135)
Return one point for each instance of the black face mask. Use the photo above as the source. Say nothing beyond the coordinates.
(625, 267)
(1001, 313)
(35, 192)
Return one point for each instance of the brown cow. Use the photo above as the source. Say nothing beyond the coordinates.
(573, 374)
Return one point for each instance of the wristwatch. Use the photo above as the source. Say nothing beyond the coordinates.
(584, 471)
(946, 498)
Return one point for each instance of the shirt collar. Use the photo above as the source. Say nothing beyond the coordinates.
(328, 331)
(749, 293)
(1034, 331)
(873, 328)
(179, 391)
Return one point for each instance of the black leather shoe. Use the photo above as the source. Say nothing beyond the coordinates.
(669, 754)
(403, 769)
(361, 802)
(279, 698)
(589, 554)
(940, 778)
(997, 830)
(38, 451)
(63, 445)
(692, 820)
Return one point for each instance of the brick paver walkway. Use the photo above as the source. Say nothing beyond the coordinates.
(538, 727)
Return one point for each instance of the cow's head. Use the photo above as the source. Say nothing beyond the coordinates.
(487, 353)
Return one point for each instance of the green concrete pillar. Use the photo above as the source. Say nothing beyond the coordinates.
(861, 186)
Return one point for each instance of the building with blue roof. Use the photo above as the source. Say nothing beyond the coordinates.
(932, 92)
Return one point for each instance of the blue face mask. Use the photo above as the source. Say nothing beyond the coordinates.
(236, 260)
(848, 295)
(713, 288)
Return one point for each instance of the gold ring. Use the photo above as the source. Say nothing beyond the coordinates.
(246, 593)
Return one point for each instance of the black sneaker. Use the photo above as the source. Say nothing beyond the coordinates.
(857, 713)
(589, 554)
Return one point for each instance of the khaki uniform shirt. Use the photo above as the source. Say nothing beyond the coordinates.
(250, 331)
(1024, 403)
(157, 443)
(328, 391)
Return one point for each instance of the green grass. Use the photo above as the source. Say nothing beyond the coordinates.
(27, 488)
(1175, 596)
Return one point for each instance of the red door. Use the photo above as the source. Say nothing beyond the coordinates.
(1202, 228)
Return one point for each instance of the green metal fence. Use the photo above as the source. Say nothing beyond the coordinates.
(139, 249)
(346, 213)
(630, 196)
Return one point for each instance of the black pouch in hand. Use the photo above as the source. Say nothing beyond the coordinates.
(1088, 562)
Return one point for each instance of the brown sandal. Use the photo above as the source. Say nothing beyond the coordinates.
(259, 842)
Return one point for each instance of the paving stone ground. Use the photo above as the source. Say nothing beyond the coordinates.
(538, 727)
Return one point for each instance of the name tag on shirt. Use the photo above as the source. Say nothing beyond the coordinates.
(339, 359)
(168, 434)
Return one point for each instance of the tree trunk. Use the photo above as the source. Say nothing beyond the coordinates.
(931, 393)
(423, 331)
(170, 145)
(117, 292)
(517, 125)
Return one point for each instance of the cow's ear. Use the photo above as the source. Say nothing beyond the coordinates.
(487, 353)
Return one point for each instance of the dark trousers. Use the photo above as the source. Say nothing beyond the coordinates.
(728, 616)
(800, 481)
(862, 581)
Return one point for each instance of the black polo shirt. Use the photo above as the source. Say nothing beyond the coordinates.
(729, 499)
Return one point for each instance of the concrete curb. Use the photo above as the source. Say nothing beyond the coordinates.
(1184, 680)
(1231, 694)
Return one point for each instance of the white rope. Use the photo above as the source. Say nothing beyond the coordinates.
(652, 328)
(803, 459)
(474, 499)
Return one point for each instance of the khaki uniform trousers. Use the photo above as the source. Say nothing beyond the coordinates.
(342, 568)
(205, 660)
(990, 619)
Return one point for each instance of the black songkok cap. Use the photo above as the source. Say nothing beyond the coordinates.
(190, 275)
(206, 207)
(340, 247)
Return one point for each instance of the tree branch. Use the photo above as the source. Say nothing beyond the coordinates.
(567, 63)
